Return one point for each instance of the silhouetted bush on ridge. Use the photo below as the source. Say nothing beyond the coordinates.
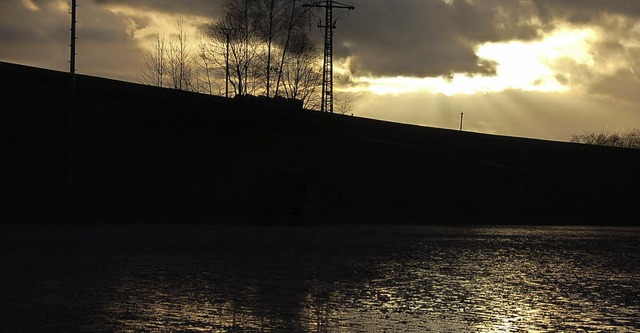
(629, 139)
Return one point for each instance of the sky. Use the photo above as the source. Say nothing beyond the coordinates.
(529, 68)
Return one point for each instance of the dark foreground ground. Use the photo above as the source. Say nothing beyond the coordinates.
(356, 279)
(146, 155)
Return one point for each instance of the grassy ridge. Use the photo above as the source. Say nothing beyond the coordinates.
(148, 155)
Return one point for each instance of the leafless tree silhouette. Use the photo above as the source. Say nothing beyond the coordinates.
(302, 71)
(629, 139)
(210, 69)
(269, 24)
(264, 46)
(155, 63)
(180, 60)
(260, 31)
(343, 103)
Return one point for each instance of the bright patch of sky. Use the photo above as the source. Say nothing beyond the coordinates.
(526, 66)
(30, 5)
(155, 22)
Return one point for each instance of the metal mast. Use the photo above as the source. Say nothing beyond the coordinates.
(227, 33)
(72, 104)
(72, 61)
(327, 67)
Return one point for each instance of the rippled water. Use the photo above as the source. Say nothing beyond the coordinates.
(322, 279)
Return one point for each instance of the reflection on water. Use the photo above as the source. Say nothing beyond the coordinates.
(332, 279)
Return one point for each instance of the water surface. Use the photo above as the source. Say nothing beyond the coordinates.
(320, 279)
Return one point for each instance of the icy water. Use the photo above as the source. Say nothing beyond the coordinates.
(321, 279)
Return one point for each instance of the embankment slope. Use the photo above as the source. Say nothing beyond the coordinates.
(148, 155)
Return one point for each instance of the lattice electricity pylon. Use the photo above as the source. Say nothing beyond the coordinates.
(327, 67)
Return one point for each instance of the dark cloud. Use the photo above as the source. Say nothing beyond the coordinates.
(41, 38)
(614, 70)
(621, 85)
(586, 11)
(18, 24)
(106, 46)
(383, 37)
(206, 8)
(387, 38)
(29, 37)
(429, 38)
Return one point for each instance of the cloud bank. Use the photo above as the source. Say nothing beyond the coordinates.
(381, 38)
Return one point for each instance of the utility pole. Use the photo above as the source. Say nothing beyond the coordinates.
(72, 60)
(227, 33)
(70, 121)
(461, 119)
(327, 68)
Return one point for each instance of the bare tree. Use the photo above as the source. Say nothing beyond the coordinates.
(155, 63)
(180, 60)
(270, 24)
(629, 139)
(266, 46)
(237, 30)
(240, 50)
(632, 139)
(343, 103)
(301, 72)
(170, 63)
(257, 32)
(209, 68)
(295, 22)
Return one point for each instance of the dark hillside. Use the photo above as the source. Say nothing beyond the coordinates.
(144, 154)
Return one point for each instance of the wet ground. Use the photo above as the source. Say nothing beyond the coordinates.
(321, 279)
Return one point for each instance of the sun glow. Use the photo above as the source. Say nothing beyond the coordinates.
(526, 66)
